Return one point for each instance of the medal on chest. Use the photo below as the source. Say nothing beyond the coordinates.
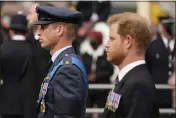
(113, 100)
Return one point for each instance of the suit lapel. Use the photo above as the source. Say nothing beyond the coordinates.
(119, 85)
(117, 88)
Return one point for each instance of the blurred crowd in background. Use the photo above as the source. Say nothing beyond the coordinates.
(93, 33)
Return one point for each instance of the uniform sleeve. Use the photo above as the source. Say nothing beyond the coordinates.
(68, 92)
(139, 102)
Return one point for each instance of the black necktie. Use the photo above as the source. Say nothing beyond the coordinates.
(117, 80)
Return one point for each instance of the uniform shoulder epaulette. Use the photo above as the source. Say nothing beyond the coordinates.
(67, 60)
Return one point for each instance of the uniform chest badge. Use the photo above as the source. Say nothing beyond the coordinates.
(67, 62)
(113, 100)
(45, 85)
(43, 92)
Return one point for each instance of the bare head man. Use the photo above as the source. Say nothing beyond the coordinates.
(130, 35)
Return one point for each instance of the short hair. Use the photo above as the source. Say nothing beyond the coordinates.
(71, 28)
(134, 25)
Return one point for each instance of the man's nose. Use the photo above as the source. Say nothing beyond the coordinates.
(106, 45)
(38, 32)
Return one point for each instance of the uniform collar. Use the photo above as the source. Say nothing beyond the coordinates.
(56, 54)
(19, 38)
(129, 67)
(36, 37)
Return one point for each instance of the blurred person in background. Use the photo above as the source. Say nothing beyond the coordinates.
(41, 55)
(159, 58)
(99, 70)
(93, 11)
(17, 96)
(134, 93)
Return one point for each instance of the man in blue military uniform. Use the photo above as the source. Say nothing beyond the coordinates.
(63, 93)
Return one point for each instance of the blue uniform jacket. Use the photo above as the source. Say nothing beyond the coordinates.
(66, 95)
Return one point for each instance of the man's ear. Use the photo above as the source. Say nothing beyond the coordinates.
(128, 41)
(60, 29)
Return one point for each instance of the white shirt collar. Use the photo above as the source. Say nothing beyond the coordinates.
(129, 67)
(18, 38)
(36, 37)
(56, 54)
(171, 44)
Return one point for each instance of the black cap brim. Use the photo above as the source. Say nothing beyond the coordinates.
(42, 22)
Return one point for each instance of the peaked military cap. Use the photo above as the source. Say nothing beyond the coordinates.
(48, 14)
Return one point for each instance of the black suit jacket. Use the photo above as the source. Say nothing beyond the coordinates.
(66, 95)
(157, 60)
(137, 92)
(18, 93)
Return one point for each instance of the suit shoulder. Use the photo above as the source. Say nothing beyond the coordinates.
(140, 76)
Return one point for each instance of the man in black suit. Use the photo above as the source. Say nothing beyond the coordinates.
(17, 93)
(159, 58)
(64, 90)
(134, 93)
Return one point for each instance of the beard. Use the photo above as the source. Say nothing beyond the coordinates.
(117, 58)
